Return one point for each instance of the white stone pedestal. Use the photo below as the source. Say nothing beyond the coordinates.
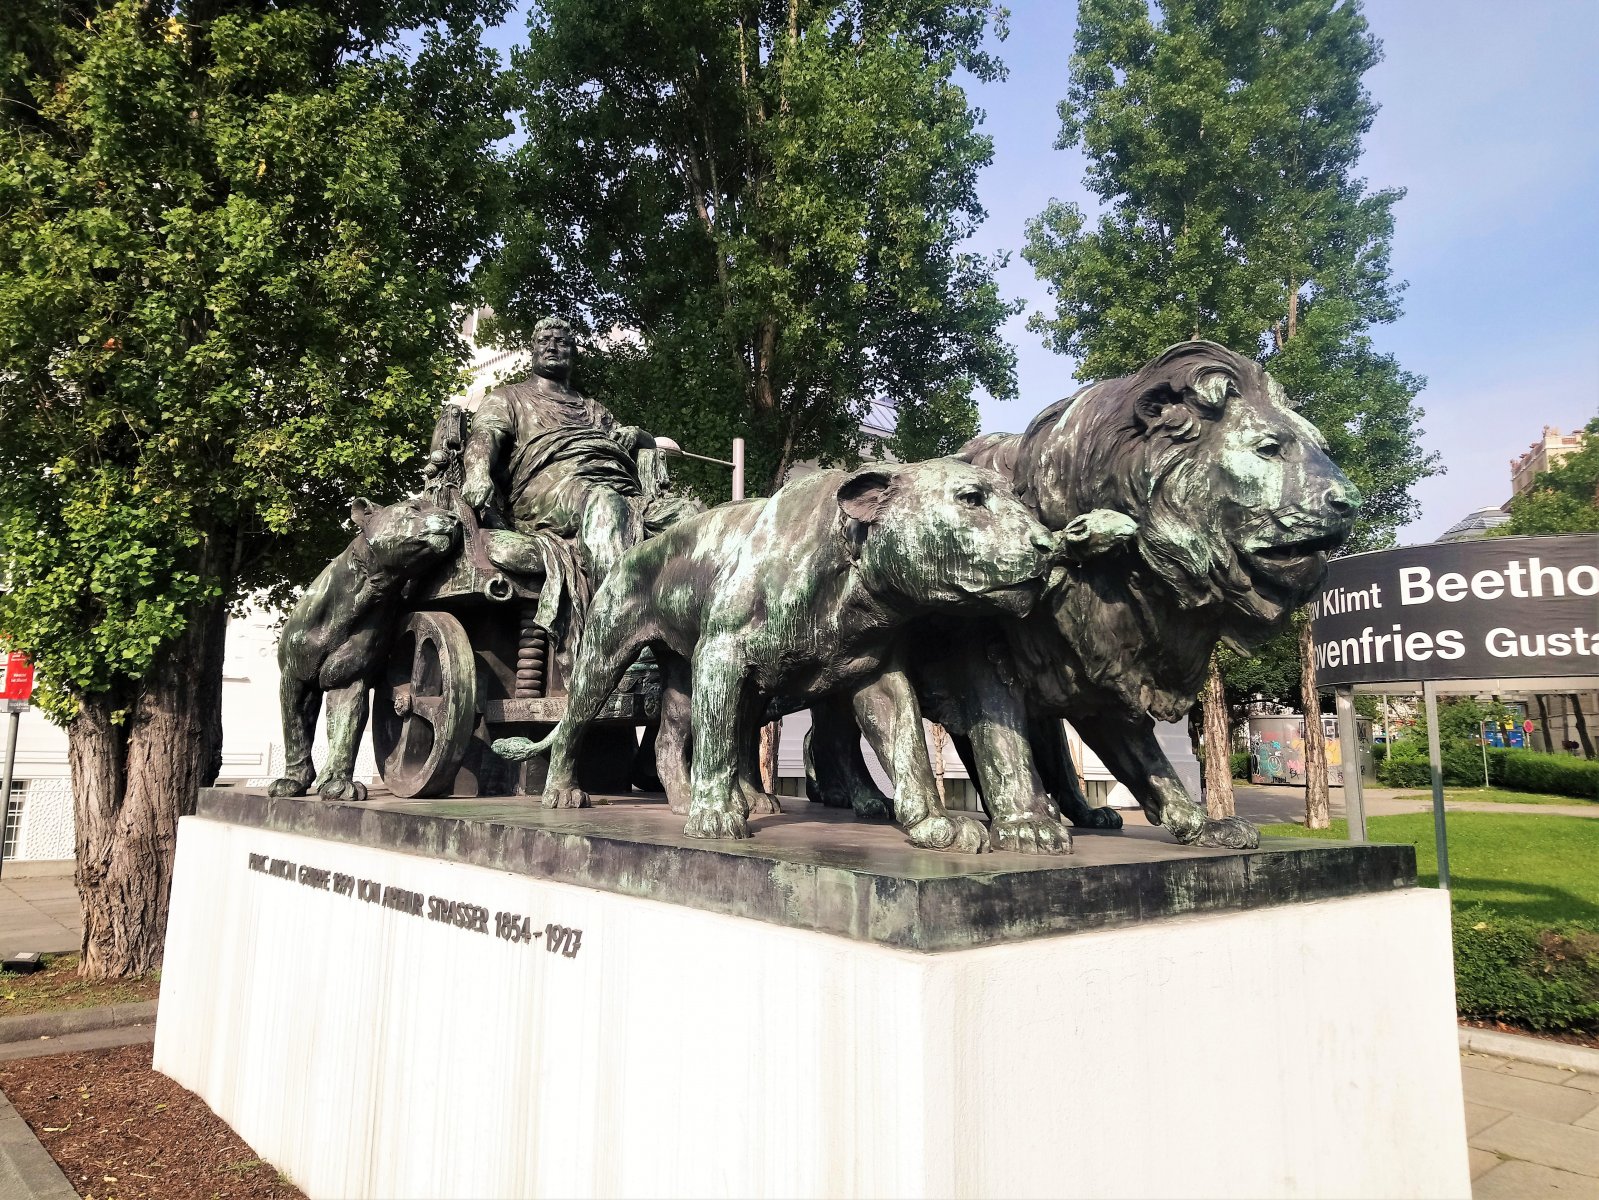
(1301, 1050)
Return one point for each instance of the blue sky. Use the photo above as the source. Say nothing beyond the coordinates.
(1490, 119)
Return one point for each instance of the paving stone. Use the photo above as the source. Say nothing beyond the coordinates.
(1483, 1062)
(1529, 1181)
(1553, 1144)
(1523, 1070)
(1591, 1121)
(1483, 1161)
(1583, 1081)
(1546, 1101)
(1480, 1116)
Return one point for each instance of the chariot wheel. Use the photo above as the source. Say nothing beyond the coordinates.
(425, 706)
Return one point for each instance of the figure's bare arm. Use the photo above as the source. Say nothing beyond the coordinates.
(482, 451)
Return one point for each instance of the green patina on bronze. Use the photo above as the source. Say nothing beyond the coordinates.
(1236, 506)
(336, 639)
(768, 606)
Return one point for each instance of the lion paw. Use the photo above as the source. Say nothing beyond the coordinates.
(1026, 834)
(764, 804)
(564, 795)
(342, 787)
(280, 789)
(1230, 833)
(707, 822)
(949, 831)
(870, 805)
(1099, 818)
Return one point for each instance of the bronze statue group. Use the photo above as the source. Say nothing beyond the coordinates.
(1084, 569)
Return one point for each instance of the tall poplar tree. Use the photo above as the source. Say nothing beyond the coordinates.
(1222, 137)
(755, 206)
(231, 237)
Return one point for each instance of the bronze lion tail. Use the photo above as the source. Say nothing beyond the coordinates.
(520, 749)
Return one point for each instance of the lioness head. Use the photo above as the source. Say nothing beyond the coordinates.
(1235, 498)
(405, 539)
(944, 534)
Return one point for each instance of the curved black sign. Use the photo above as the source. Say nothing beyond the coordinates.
(1493, 608)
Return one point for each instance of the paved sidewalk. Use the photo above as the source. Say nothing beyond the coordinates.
(1533, 1130)
(1267, 804)
(27, 1172)
(39, 913)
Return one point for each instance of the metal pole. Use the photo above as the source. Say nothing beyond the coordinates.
(1429, 698)
(1349, 750)
(1484, 734)
(5, 785)
(738, 468)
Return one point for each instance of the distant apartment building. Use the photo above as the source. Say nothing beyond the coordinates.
(1541, 456)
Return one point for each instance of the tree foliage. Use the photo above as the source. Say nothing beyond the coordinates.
(1563, 499)
(755, 208)
(1222, 136)
(230, 239)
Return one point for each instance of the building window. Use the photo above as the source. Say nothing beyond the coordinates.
(19, 790)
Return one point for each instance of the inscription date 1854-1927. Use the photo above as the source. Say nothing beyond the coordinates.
(508, 926)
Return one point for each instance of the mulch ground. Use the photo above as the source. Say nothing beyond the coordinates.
(120, 1131)
(57, 986)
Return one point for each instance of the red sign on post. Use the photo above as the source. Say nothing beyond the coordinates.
(1526, 727)
(18, 679)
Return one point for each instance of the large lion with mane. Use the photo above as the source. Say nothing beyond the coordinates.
(1237, 507)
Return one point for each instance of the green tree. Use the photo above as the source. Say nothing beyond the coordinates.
(1563, 499)
(1221, 137)
(755, 208)
(231, 237)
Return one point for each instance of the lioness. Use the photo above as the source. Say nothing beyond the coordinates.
(1236, 507)
(336, 637)
(770, 605)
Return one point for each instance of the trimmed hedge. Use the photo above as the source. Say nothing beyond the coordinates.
(1519, 971)
(1398, 772)
(1239, 761)
(1551, 774)
(1517, 770)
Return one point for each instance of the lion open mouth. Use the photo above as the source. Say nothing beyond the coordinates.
(1293, 552)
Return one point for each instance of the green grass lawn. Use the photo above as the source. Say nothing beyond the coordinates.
(1541, 868)
(1456, 795)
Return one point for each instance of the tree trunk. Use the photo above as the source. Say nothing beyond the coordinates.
(940, 740)
(1543, 723)
(771, 738)
(137, 765)
(1317, 809)
(1218, 745)
(1581, 723)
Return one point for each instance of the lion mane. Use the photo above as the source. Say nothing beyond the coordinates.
(1151, 445)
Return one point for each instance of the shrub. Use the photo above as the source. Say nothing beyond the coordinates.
(1379, 754)
(1239, 760)
(1518, 971)
(1397, 772)
(1551, 774)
